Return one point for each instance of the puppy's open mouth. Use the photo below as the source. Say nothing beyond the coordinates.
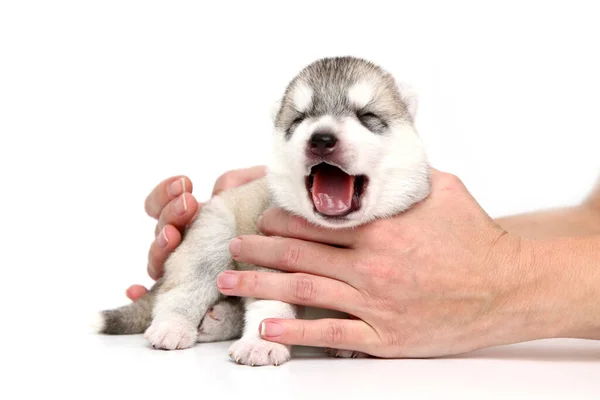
(333, 192)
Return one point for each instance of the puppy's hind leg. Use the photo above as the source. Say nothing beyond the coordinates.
(189, 287)
(223, 321)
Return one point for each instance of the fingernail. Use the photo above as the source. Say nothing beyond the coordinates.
(180, 206)
(161, 239)
(270, 329)
(227, 280)
(177, 187)
(259, 223)
(235, 246)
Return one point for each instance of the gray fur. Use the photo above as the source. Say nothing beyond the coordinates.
(133, 318)
(185, 306)
(192, 269)
(331, 78)
(223, 321)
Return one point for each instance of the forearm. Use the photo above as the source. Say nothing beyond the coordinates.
(583, 220)
(560, 286)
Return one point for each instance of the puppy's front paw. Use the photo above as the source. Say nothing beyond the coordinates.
(170, 334)
(345, 353)
(256, 352)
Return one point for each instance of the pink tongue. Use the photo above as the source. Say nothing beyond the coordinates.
(332, 190)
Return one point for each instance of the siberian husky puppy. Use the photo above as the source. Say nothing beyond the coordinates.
(345, 152)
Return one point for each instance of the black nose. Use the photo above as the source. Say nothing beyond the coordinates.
(322, 144)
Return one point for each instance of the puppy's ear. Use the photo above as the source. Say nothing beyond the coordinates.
(409, 97)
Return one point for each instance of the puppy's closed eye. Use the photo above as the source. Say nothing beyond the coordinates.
(297, 121)
(372, 122)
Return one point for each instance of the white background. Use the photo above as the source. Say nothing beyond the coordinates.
(99, 101)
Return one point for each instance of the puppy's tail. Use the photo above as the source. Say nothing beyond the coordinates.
(131, 319)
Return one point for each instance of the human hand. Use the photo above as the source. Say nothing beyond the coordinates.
(442, 278)
(172, 204)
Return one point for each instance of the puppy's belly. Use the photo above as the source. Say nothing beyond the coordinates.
(319, 313)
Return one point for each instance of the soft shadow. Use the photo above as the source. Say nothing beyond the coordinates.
(587, 351)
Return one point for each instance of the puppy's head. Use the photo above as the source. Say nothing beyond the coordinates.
(345, 150)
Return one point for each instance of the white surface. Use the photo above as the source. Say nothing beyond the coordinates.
(508, 101)
(560, 369)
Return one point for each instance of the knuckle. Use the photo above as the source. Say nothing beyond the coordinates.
(154, 253)
(333, 334)
(302, 335)
(253, 280)
(289, 256)
(150, 270)
(154, 267)
(147, 207)
(151, 208)
(304, 289)
(249, 281)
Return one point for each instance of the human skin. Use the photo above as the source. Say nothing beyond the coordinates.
(479, 282)
(172, 204)
(580, 220)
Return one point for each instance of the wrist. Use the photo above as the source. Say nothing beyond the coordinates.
(520, 310)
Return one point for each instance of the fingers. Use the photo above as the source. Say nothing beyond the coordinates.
(166, 191)
(134, 292)
(172, 203)
(294, 255)
(178, 212)
(340, 334)
(237, 178)
(166, 241)
(299, 289)
(277, 222)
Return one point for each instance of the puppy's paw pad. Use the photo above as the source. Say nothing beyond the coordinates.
(258, 352)
(345, 353)
(171, 334)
